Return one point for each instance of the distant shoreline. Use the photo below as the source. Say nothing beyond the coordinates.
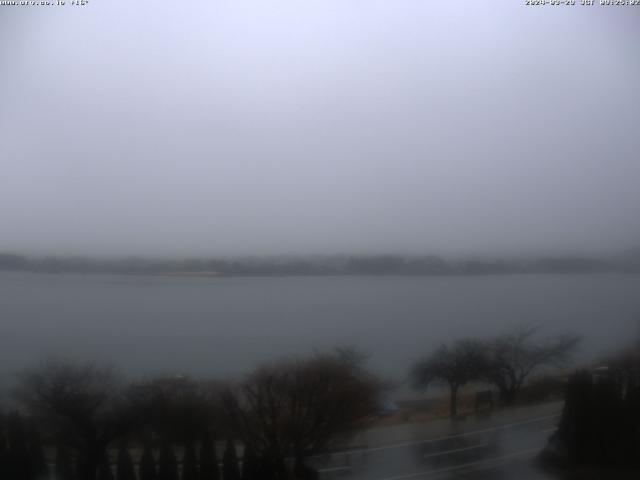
(187, 274)
(195, 275)
(322, 266)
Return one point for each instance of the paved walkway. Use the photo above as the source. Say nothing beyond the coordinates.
(501, 445)
(407, 432)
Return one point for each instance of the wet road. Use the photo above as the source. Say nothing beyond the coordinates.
(490, 449)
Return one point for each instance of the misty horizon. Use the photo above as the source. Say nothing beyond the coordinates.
(508, 255)
(246, 128)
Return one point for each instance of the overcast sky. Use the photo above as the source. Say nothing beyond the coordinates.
(334, 126)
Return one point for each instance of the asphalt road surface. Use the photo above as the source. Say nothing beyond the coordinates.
(494, 448)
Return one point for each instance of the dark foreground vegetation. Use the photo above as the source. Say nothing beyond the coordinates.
(85, 423)
(323, 265)
(600, 424)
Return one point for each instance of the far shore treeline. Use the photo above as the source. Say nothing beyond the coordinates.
(317, 265)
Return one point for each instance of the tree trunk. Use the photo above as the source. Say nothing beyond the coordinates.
(509, 396)
(273, 468)
(302, 471)
(88, 464)
(454, 400)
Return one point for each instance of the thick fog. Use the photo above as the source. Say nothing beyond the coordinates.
(268, 127)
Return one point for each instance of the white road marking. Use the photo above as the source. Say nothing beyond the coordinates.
(446, 437)
(464, 465)
(334, 469)
(550, 430)
(455, 450)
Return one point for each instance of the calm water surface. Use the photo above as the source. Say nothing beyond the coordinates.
(224, 326)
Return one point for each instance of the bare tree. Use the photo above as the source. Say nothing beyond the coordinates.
(456, 365)
(299, 407)
(85, 407)
(147, 465)
(4, 453)
(230, 466)
(208, 460)
(125, 469)
(513, 357)
(184, 409)
(167, 463)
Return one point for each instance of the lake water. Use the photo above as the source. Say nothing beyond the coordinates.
(225, 326)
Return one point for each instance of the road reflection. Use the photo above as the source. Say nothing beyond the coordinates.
(497, 452)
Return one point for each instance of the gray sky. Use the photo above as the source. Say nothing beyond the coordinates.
(233, 127)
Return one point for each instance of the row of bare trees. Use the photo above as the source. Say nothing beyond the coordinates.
(281, 414)
(505, 362)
